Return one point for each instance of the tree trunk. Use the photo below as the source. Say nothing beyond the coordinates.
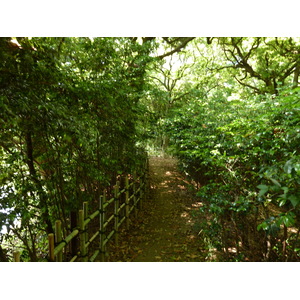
(296, 76)
(3, 256)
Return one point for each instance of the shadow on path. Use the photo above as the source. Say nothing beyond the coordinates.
(165, 229)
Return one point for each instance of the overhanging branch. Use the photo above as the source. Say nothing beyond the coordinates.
(177, 49)
(247, 85)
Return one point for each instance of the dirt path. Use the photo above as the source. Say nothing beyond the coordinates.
(165, 229)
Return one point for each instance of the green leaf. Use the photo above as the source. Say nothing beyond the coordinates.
(288, 166)
(282, 202)
(263, 189)
(294, 200)
(263, 225)
(275, 182)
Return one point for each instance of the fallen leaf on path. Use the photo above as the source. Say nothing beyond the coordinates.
(178, 251)
(176, 258)
(191, 256)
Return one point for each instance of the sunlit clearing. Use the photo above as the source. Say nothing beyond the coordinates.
(231, 250)
(184, 215)
(15, 42)
(191, 237)
(197, 204)
(165, 183)
(293, 230)
(182, 187)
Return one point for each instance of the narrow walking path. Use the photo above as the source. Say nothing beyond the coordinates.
(165, 229)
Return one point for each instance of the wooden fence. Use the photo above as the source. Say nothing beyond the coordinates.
(110, 216)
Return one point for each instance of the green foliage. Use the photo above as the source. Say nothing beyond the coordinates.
(242, 150)
(69, 111)
(76, 112)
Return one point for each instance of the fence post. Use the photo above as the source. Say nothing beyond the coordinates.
(116, 196)
(141, 189)
(148, 173)
(58, 238)
(134, 194)
(17, 256)
(74, 241)
(85, 215)
(145, 183)
(101, 221)
(51, 246)
(82, 236)
(127, 202)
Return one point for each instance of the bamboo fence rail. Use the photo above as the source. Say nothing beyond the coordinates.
(112, 213)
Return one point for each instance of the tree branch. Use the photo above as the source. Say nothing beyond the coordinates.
(289, 71)
(177, 49)
(296, 76)
(163, 83)
(247, 85)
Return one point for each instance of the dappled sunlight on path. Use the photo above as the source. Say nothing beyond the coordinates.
(167, 231)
